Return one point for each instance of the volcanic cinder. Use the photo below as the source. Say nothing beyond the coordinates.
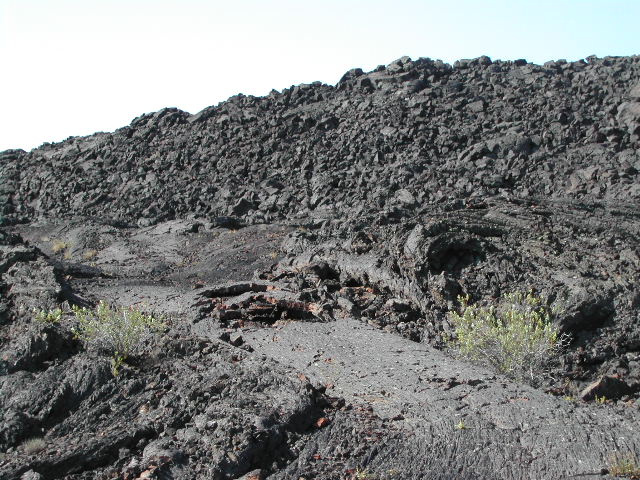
(304, 250)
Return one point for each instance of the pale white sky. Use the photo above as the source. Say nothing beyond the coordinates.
(73, 67)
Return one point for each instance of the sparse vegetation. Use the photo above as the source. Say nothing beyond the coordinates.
(34, 445)
(49, 316)
(624, 465)
(59, 246)
(119, 332)
(601, 400)
(516, 336)
(117, 361)
(461, 425)
(89, 254)
(363, 474)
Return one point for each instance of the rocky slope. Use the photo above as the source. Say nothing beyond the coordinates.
(390, 143)
(305, 248)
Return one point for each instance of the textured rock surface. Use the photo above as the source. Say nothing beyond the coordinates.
(392, 142)
(305, 249)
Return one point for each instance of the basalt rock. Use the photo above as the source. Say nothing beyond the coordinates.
(304, 250)
(403, 138)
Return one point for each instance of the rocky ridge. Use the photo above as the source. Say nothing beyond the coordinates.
(398, 141)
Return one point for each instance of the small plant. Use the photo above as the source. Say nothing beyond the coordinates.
(119, 332)
(117, 361)
(59, 246)
(34, 445)
(601, 400)
(89, 254)
(460, 425)
(624, 465)
(517, 336)
(361, 474)
(50, 316)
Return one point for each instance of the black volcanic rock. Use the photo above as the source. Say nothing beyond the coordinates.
(562, 130)
(304, 249)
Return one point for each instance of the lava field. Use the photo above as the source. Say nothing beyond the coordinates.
(304, 251)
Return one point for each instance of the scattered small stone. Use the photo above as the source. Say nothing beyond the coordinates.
(31, 475)
(254, 475)
(322, 422)
(608, 387)
(236, 339)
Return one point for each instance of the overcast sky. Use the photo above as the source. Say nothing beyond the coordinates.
(74, 67)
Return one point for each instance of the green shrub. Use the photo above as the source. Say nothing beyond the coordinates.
(48, 316)
(516, 336)
(116, 331)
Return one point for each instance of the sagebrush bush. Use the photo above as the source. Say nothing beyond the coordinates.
(119, 331)
(34, 445)
(516, 336)
(59, 246)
